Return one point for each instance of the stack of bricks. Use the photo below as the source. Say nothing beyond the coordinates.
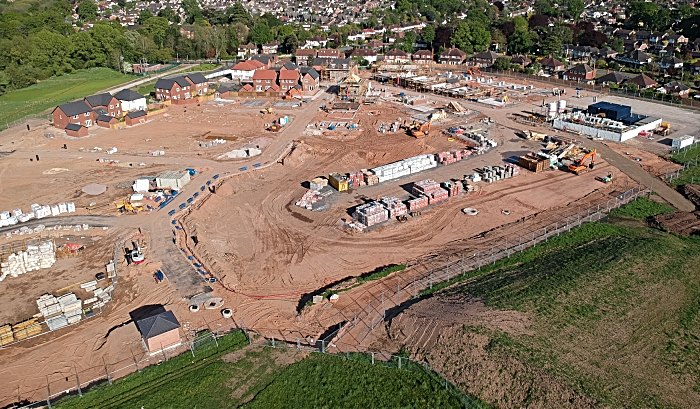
(394, 206)
(515, 168)
(356, 179)
(417, 203)
(452, 188)
(425, 187)
(370, 178)
(370, 214)
(438, 196)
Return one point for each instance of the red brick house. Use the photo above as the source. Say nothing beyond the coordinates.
(376, 45)
(551, 65)
(173, 88)
(288, 79)
(397, 56)
(302, 56)
(160, 331)
(423, 57)
(310, 79)
(134, 118)
(328, 53)
(78, 112)
(199, 83)
(106, 121)
(107, 102)
(581, 73)
(264, 80)
(452, 56)
(485, 58)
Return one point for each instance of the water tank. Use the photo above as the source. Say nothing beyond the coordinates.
(562, 106)
(552, 109)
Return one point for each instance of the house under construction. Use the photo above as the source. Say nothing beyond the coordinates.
(353, 88)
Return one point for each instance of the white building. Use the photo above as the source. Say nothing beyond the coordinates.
(131, 101)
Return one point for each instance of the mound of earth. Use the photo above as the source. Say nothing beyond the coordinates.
(299, 155)
(692, 192)
(686, 223)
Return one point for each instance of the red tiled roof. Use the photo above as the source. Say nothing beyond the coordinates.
(265, 75)
(289, 75)
(246, 66)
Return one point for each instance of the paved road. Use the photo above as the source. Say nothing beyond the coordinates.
(640, 175)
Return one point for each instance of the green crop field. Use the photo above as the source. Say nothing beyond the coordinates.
(55, 91)
(615, 313)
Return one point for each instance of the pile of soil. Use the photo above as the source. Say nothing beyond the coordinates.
(692, 192)
(300, 154)
(686, 223)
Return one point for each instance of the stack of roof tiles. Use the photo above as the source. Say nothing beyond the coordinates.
(395, 206)
(372, 213)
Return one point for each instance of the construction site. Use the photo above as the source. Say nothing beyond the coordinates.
(254, 205)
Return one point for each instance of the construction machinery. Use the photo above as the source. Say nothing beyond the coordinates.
(664, 129)
(474, 71)
(125, 206)
(580, 166)
(608, 178)
(267, 111)
(422, 131)
(136, 254)
(291, 92)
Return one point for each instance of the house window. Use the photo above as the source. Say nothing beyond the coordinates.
(116, 105)
(267, 82)
(88, 122)
(111, 107)
(112, 113)
(87, 114)
(177, 89)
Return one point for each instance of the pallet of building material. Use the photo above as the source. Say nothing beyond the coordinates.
(90, 300)
(57, 322)
(6, 335)
(26, 329)
(88, 284)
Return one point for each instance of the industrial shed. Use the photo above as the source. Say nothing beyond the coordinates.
(172, 179)
(160, 331)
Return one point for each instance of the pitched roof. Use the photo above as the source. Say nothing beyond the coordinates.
(300, 53)
(642, 81)
(398, 53)
(105, 118)
(551, 62)
(423, 53)
(197, 78)
(75, 108)
(581, 68)
(158, 324)
(136, 114)
(310, 71)
(289, 75)
(265, 59)
(167, 83)
(246, 66)
(73, 127)
(453, 52)
(99, 99)
(637, 55)
(363, 52)
(676, 86)
(614, 76)
(487, 55)
(265, 75)
(289, 66)
(321, 61)
(128, 95)
(521, 59)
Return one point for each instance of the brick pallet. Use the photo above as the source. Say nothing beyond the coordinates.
(394, 206)
(438, 196)
(417, 203)
(425, 187)
(370, 214)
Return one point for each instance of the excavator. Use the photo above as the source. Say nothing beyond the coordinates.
(580, 166)
(474, 71)
(291, 93)
(266, 111)
(422, 131)
(125, 206)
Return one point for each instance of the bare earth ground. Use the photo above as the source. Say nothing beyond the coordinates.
(250, 233)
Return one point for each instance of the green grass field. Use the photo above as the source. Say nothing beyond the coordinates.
(615, 312)
(55, 91)
(642, 208)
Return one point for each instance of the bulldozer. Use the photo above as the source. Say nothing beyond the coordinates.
(580, 166)
(266, 111)
(422, 131)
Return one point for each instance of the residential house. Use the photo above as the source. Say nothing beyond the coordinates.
(579, 52)
(244, 70)
(695, 68)
(581, 73)
(310, 79)
(551, 66)
(173, 88)
(302, 56)
(624, 34)
(485, 58)
(368, 32)
(657, 37)
(187, 31)
(606, 54)
(452, 56)
(611, 77)
(77, 112)
(521, 60)
(423, 57)
(676, 88)
(131, 100)
(670, 62)
(312, 42)
(106, 101)
(635, 59)
(264, 80)
(641, 81)
(246, 50)
(288, 79)
(76, 131)
(271, 48)
(356, 36)
(643, 36)
(365, 53)
(288, 66)
(376, 45)
(328, 53)
(397, 56)
(676, 39)
(267, 59)
(199, 83)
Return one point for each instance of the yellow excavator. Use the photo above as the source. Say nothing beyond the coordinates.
(125, 206)
(422, 131)
(580, 166)
(267, 111)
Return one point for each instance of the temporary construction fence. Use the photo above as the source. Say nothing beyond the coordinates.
(356, 353)
(33, 328)
(692, 162)
(401, 287)
(77, 382)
